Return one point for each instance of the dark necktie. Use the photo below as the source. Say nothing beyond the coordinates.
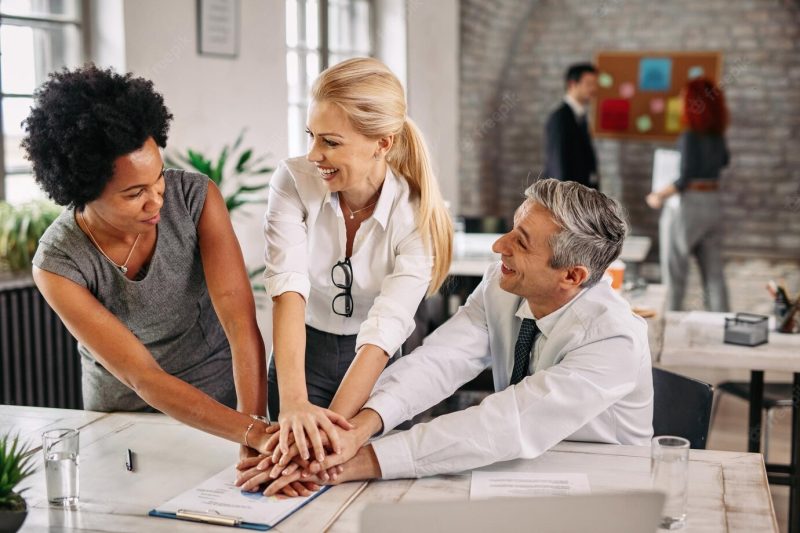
(522, 351)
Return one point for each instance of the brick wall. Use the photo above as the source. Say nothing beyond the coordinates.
(513, 56)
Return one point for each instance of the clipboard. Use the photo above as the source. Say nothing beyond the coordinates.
(219, 502)
(210, 517)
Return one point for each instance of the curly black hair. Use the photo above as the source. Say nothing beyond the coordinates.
(84, 119)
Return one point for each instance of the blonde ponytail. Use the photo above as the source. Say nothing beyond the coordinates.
(373, 98)
(409, 158)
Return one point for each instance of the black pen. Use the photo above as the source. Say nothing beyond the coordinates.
(129, 460)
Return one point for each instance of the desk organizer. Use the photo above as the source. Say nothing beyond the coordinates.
(747, 329)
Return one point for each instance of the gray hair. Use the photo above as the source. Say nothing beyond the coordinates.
(592, 225)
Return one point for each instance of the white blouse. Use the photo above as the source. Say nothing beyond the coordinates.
(305, 237)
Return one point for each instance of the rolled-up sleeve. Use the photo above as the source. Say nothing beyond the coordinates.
(390, 320)
(286, 234)
(451, 356)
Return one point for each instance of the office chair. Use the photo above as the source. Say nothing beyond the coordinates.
(681, 407)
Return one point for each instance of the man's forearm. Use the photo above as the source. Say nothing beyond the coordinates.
(364, 465)
(367, 423)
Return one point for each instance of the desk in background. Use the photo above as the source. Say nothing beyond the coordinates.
(695, 339)
(473, 252)
(727, 491)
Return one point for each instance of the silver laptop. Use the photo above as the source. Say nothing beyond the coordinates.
(634, 512)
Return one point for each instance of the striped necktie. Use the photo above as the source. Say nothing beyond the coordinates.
(522, 351)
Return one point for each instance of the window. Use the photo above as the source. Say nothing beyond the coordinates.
(320, 33)
(36, 38)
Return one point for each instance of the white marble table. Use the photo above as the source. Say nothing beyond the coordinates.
(31, 422)
(696, 339)
(727, 491)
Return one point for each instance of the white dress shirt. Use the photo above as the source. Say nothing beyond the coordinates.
(592, 382)
(306, 236)
(578, 108)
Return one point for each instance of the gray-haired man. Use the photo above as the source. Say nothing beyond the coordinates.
(569, 358)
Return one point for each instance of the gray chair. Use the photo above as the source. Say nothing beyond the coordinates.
(681, 407)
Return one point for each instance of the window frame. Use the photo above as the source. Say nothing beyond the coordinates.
(78, 21)
(323, 48)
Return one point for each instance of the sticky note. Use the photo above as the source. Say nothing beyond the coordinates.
(644, 123)
(673, 118)
(627, 90)
(605, 80)
(695, 72)
(657, 105)
(614, 114)
(655, 73)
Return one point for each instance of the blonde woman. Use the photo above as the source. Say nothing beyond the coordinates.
(356, 235)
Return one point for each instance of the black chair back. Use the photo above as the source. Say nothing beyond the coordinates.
(681, 407)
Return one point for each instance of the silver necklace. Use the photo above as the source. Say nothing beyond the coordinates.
(124, 266)
(353, 213)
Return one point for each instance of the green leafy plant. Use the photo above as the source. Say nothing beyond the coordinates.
(15, 466)
(234, 164)
(21, 227)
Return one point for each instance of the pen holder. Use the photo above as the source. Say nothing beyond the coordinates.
(747, 329)
(786, 320)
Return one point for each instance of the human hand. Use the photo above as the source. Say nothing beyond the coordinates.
(654, 201)
(250, 478)
(260, 440)
(305, 420)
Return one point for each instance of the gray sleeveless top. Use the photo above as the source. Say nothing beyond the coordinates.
(168, 309)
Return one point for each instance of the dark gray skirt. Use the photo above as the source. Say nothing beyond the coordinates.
(328, 357)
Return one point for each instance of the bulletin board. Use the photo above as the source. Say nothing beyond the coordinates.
(638, 93)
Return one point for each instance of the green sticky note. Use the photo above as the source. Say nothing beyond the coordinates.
(605, 80)
(644, 123)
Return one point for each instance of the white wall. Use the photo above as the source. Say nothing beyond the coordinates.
(391, 36)
(433, 85)
(213, 98)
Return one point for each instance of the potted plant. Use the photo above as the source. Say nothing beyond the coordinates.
(15, 466)
(232, 172)
(234, 166)
(21, 227)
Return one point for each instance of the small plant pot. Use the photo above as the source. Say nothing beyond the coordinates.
(11, 520)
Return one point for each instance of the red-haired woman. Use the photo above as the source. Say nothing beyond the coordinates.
(691, 224)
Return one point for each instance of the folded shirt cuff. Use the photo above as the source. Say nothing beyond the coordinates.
(287, 282)
(368, 334)
(388, 408)
(394, 456)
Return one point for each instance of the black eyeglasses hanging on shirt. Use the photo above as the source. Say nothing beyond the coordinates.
(342, 277)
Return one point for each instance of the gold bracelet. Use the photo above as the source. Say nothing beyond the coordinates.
(256, 418)
(248, 431)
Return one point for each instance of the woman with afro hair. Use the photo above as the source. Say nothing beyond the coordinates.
(143, 266)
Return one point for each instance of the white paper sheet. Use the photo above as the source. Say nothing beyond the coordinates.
(525, 484)
(666, 168)
(219, 494)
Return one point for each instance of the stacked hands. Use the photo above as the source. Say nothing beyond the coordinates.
(304, 450)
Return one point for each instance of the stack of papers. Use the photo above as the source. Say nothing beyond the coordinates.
(219, 501)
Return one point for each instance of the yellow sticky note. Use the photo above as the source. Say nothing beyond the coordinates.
(673, 116)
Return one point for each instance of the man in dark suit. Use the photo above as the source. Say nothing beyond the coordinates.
(569, 152)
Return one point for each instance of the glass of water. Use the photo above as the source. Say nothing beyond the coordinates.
(669, 471)
(60, 448)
